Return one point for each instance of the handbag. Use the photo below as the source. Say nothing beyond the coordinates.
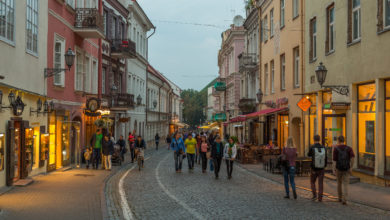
(208, 154)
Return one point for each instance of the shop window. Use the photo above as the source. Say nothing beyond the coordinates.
(29, 145)
(2, 151)
(283, 130)
(313, 123)
(52, 142)
(388, 127)
(366, 125)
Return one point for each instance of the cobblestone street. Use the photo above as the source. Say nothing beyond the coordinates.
(157, 192)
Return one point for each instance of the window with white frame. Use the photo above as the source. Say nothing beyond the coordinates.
(79, 79)
(356, 19)
(330, 39)
(87, 74)
(32, 26)
(59, 62)
(266, 28)
(7, 20)
(295, 8)
(313, 39)
(296, 67)
(113, 28)
(266, 79)
(71, 3)
(272, 77)
(386, 13)
(105, 22)
(282, 72)
(282, 7)
(94, 76)
(104, 80)
(271, 22)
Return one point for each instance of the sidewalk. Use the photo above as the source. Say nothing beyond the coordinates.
(361, 193)
(73, 194)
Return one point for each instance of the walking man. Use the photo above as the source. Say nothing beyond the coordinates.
(343, 157)
(168, 140)
(140, 145)
(96, 144)
(217, 151)
(190, 145)
(108, 150)
(122, 145)
(157, 140)
(318, 163)
(179, 150)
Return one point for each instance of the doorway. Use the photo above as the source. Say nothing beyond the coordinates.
(333, 126)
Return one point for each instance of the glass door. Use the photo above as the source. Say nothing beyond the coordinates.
(333, 126)
(17, 162)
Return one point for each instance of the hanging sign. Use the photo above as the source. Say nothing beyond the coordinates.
(304, 104)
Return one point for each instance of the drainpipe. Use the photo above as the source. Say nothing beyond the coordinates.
(302, 57)
(147, 51)
(159, 101)
(261, 139)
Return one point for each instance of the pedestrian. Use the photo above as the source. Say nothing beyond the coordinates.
(230, 153)
(157, 140)
(87, 156)
(131, 140)
(289, 156)
(319, 160)
(211, 140)
(179, 151)
(108, 150)
(198, 142)
(190, 145)
(140, 144)
(204, 147)
(217, 153)
(122, 145)
(96, 144)
(168, 140)
(343, 157)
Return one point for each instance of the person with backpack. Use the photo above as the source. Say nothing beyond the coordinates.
(343, 157)
(289, 155)
(318, 163)
(179, 151)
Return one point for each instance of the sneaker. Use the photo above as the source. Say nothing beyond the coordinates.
(286, 196)
(314, 198)
(345, 203)
(295, 195)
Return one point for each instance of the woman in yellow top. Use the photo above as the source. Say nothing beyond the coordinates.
(190, 145)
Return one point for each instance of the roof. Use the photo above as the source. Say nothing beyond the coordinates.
(157, 74)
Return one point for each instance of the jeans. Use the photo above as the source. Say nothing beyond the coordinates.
(96, 158)
(229, 167)
(313, 177)
(211, 165)
(178, 160)
(132, 152)
(204, 161)
(191, 160)
(289, 175)
(342, 184)
(123, 154)
(87, 162)
(156, 145)
(217, 165)
(198, 156)
(107, 162)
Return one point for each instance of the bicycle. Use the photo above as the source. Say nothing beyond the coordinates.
(140, 158)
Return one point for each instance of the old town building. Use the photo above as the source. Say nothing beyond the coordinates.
(351, 40)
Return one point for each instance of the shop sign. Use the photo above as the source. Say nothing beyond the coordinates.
(93, 104)
(281, 101)
(270, 104)
(220, 117)
(340, 105)
(92, 114)
(124, 120)
(327, 106)
(304, 104)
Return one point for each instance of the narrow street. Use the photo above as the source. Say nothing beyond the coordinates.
(157, 192)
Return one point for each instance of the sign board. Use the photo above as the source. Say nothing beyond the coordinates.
(340, 105)
(304, 104)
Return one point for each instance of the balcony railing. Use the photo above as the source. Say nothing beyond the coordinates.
(247, 61)
(89, 23)
(121, 100)
(247, 105)
(123, 48)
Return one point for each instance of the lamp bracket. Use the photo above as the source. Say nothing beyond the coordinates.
(342, 90)
(49, 72)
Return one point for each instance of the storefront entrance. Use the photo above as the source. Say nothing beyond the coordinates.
(333, 126)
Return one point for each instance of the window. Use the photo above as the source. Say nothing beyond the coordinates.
(105, 22)
(282, 72)
(70, 3)
(59, 61)
(387, 129)
(79, 72)
(366, 125)
(282, 6)
(266, 79)
(386, 13)
(296, 67)
(266, 28)
(7, 20)
(94, 77)
(295, 8)
(356, 19)
(113, 28)
(32, 26)
(272, 77)
(271, 22)
(103, 80)
(87, 75)
(329, 47)
(313, 39)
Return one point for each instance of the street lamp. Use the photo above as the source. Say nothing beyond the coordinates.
(39, 107)
(113, 92)
(69, 60)
(321, 73)
(139, 100)
(259, 96)
(11, 98)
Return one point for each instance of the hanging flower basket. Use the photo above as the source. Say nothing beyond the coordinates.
(103, 123)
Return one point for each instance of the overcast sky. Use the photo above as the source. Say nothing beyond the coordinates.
(185, 53)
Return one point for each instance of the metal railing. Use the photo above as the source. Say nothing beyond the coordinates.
(123, 100)
(247, 61)
(89, 18)
(125, 47)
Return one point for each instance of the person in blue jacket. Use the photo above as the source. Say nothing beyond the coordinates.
(179, 151)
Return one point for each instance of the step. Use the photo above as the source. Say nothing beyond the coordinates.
(23, 182)
(352, 179)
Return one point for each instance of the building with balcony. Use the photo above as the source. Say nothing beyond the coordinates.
(23, 131)
(77, 25)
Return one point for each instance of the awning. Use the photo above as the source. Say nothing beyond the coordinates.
(265, 112)
(210, 126)
(180, 125)
(238, 119)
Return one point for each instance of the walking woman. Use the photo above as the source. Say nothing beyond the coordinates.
(179, 151)
(157, 140)
(217, 152)
(289, 155)
(230, 154)
(204, 147)
(198, 142)
(211, 140)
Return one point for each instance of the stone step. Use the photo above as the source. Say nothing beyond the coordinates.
(23, 182)
(352, 179)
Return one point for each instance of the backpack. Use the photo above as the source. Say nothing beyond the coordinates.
(319, 157)
(343, 160)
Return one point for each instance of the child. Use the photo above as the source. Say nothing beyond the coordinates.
(87, 156)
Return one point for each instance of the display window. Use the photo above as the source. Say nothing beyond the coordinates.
(313, 123)
(29, 149)
(366, 125)
(283, 130)
(36, 147)
(387, 95)
(2, 151)
(52, 142)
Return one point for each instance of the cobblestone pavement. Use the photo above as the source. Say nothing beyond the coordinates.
(157, 192)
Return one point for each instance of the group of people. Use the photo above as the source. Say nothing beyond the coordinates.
(199, 147)
(343, 159)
